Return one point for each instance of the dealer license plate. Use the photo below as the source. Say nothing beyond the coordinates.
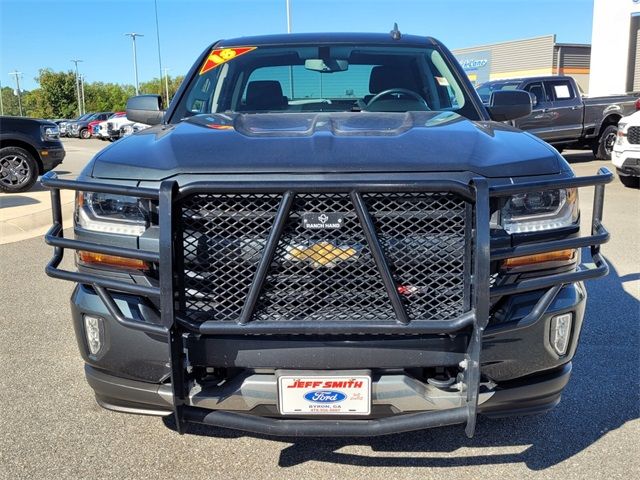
(324, 394)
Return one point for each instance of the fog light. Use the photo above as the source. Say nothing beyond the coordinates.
(560, 332)
(93, 331)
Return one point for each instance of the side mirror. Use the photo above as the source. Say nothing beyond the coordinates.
(145, 109)
(509, 104)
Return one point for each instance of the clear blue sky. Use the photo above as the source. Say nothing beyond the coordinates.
(48, 33)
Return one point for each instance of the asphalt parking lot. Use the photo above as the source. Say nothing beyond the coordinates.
(52, 428)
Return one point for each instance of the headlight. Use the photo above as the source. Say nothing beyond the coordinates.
(538, 211)
(103, 212)
(50, 133)
(127, 130)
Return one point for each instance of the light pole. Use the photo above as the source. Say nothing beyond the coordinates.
(82, 90)
(76, 61)
(133, 36)
(17, 74)
(166, 83)
(158, 39)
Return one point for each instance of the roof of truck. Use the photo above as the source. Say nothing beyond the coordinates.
(315, 38)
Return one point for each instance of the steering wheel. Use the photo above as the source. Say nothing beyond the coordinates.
(404, 91)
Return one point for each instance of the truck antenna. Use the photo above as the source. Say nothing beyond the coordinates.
(395, 33)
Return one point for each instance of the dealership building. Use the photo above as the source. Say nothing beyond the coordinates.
(609, 65)
(526, 58)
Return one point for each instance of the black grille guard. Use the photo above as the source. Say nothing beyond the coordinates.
(474, 320)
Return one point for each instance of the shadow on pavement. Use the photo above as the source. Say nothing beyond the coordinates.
(582, 156)
(7, 201)
(602, 395)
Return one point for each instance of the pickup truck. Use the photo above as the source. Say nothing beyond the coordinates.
(82, 128)
(28, 148)
(626, 151)
(112, 128)
(564, 118)
(65, 126)
(328, 235)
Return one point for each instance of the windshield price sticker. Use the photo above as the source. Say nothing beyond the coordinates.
(219, 56)
(324, 395)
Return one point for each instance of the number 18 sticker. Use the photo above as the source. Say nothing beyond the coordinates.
(219, 56)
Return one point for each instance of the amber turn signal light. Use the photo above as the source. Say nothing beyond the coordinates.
(101, 259)
(557, 256)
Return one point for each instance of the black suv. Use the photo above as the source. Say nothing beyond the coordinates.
(28, 148)
(328, 234)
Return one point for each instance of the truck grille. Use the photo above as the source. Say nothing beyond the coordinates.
(633, 135)
(325, 273)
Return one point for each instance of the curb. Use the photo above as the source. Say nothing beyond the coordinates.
(21, 222)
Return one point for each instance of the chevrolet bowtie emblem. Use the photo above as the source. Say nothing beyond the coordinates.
(322, 254)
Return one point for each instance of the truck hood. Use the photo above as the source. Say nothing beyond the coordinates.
(306, 143)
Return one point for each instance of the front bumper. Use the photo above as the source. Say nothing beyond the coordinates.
(534, 395)
(74, 132)
(51, 157)
(626, 159)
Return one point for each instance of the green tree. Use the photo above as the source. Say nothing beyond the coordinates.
(103, 97)
(33, 105)
(57, 97)
(10, 102)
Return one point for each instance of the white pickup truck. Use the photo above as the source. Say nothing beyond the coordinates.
(626, 150)
(117, 126)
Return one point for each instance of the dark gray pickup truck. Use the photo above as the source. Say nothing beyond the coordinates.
(328, 234)
(564, 118)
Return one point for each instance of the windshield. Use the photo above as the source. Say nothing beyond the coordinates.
(328, 78)
(486, 89)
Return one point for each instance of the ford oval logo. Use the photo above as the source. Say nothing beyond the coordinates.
(325, 396)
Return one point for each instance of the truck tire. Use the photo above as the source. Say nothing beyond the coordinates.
(85, 134)
(18, 170)
(602, 150)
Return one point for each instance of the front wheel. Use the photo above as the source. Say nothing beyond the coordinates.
(18, 170)
(85, 134)
(604, 148)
